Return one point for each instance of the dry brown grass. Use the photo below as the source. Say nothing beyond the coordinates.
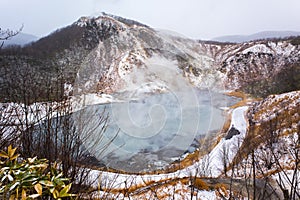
(221, 189)
(246, 99)
(263, 129)
(208, 142)
(201, 184)
(151, 185)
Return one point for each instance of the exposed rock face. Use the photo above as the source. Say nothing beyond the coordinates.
(126, 51)
(110, 54)
(232, 132)
(262, 67)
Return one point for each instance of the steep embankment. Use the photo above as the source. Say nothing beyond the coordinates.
(270, 150)
(262, 67)
(275, 123)
(272, 119)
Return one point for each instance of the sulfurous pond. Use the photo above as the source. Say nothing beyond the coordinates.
(150, 132)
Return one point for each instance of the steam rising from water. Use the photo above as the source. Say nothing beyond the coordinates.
(149, 118)
(148, 130)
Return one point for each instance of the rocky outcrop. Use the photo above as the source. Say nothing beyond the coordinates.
(109, 54)
(262, 67)
(232, 132)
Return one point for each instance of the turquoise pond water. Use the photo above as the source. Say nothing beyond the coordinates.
(151, 131)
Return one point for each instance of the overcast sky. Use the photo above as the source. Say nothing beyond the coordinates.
(201, 19)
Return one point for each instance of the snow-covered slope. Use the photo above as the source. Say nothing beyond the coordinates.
(261, 67)
(108, 54)
(272, 143)
(132, 55)
(126, 47)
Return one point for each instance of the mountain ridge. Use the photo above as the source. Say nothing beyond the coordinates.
(20, 39)
(106, 53)
(109, 56)
(256, 36)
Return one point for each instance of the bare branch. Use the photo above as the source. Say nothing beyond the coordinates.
(7, 34)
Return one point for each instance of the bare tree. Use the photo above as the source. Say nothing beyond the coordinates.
(50, 129)
(7, 34)
(225, 159)
(7, 125)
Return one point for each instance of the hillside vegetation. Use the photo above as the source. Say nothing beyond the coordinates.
(255, 156)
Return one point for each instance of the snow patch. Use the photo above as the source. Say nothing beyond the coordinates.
(258, 48)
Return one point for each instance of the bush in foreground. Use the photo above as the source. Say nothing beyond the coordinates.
(30, 178)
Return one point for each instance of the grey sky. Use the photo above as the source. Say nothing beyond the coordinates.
(201, 19)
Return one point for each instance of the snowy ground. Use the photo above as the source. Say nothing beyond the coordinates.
(231, 146)
(123, 181)
(212, 162)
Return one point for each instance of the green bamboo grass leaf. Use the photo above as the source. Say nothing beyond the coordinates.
(22, 177)
(14, 186)
(55, 194)
(14, 157)
(31, 160)
(3, 154)
(2, 189)
(33, 196)
(38, 188)
(11, 151)
(65, 190)
(24, 195)
(10, 178)
(46, 183)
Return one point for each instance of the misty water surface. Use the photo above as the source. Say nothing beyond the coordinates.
(150, 132)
